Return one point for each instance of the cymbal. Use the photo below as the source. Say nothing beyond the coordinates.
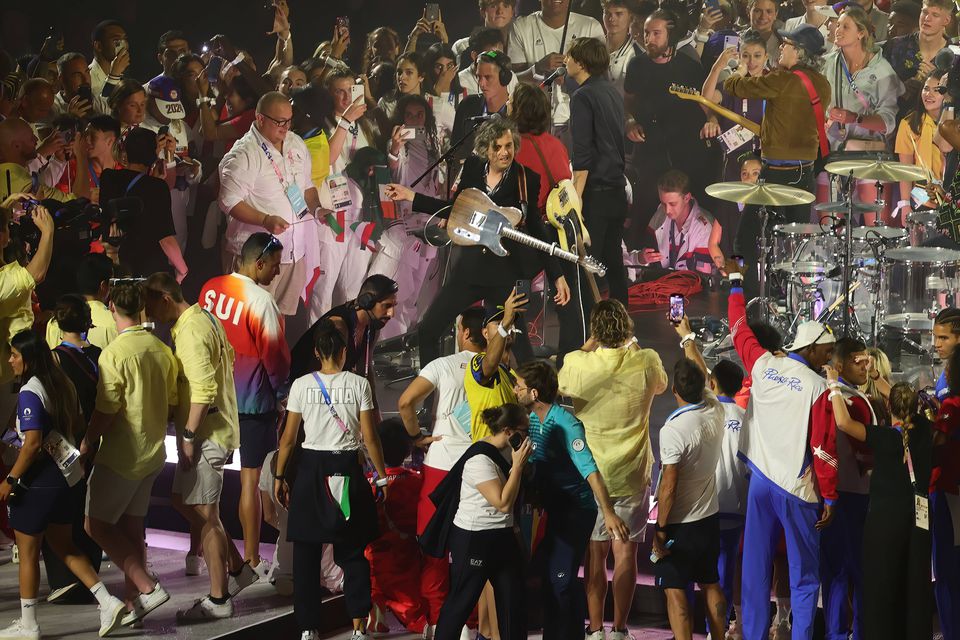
(843, 207)
(760, 194)
(878, 170)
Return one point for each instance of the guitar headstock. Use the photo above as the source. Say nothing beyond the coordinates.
(681, 91)
(593, 266)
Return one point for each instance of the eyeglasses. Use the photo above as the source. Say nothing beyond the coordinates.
(283, 124)
(273, 242)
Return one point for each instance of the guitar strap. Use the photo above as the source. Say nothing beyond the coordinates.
(522, 187)
(817, 112)
(543, 160)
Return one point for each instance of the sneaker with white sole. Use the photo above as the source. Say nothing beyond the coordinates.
(61, 592)
(193, 565)
(263, 569)
(309, 635)
(206, 609)
(243, 579)
(144, 603)
(360, 635)
(619, 635)
(594, 635)
(111, 615)
(16, 631)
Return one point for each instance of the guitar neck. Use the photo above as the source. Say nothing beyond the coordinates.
(733, 116)
(539, 245)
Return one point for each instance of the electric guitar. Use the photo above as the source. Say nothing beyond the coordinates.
(476, 220)
(686, 93)
(564, 206)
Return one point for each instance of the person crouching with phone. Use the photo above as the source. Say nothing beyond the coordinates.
(482, 542)
(331, 502)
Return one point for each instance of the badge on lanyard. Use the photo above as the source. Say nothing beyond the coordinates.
(921, 512)
(735, 137)
(297, 201)
(339, 191)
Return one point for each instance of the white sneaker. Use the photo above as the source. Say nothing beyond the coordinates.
(247, 576)
(360, 635)
(144, 603)
(17, 632)
(110, 615)
(206, 609)
(310, 635)
(60, 592)
(193, 565)
(263, 569)
(596, 635)
(619, 635)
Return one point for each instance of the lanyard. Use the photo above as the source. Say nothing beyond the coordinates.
(94, 178)
(333, 412)
(276, 169)
(853, 85)
(906, 451)
(134, 181)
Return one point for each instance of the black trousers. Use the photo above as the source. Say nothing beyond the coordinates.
(897, 594)
(604, 212)
(478, 557)
(58, 575)
(561, 552)
(747, 242)
(453, 298)
(574, 316)
(307, 588)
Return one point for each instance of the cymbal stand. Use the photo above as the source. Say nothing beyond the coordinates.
(764, 250)
(847, 254)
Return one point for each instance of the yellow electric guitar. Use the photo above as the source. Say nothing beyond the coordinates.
(686, 93)
(564, 208)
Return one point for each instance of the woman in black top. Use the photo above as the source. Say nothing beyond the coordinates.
(477, 273)
(897, 594)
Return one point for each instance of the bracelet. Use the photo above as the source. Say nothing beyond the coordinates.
(734, 276)
(503, 332)
(188, 435)
(700, 37)
(344, 123)
(687, 339)
(834, 394)
(393, 158)
(381, 482)
(280, 477)
(417, 438)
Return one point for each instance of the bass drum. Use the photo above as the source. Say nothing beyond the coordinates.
(922, 227)
(805, 252)
(918, 282)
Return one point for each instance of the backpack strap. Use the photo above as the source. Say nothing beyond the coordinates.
(817, 112)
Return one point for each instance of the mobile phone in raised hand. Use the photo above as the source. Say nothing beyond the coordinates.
(676, 308)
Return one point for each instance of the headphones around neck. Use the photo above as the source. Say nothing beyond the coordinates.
(384, 288)
(503, 63)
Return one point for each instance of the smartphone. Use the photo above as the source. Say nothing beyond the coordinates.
(739, 260)
(85, 93)
(431, 12)
(676, 308)
(343, 21)
(408, 133)
(356, 92)
(163, 130)
(712, 5)
(516, 440)
(121, 46)
(731, 42)
(948, 114)
(213, 69)
(524, 288)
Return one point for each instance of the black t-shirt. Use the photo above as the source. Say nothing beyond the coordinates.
(140, 250)
(81, 368)
(667, 120)
(890, 481)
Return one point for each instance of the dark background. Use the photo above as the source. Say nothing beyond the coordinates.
(24, 25)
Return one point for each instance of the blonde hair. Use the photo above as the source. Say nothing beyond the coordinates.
(610, 323)
(882, 363)
(862, 20)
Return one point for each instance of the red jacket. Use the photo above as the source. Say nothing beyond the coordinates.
(946, 464)
(823, 442)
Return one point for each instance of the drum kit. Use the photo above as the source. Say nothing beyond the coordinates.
(879, 283)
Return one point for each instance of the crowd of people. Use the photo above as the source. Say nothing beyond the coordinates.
(215, 253)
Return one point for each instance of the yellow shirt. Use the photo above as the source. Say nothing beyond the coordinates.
(499, 391)
(102, 333)
(612, 390)
(319, 148)
(138, 383)
(16, 313)
(929, 152)
(205, 360)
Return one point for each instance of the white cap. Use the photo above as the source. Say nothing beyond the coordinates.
(809, 333)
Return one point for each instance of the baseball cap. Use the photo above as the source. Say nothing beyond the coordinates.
(165, 91)
(805, 37)
(809, 333)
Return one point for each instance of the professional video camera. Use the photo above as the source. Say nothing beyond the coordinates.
(78, 221)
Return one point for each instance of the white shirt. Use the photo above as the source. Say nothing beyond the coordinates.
(731, 472)
(246, 175)
(474, 512)
(692, 239)
(100, 105)
(774, 439)
(691, 439)
(356, 139)
(349, 395)
(453, 411)
(98, 77)
(619, 59)
(531, 39)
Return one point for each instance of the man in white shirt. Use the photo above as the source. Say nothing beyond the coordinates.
(111, 56)
(682, 229)
(687, 542)
(164, 110)
(617, 17)
(496, 14)
(74, 87)
(534, 49)
(265, 183)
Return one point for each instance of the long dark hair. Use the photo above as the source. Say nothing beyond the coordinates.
(64, 408)
(430, 123)
(915, 117)
(435, 52)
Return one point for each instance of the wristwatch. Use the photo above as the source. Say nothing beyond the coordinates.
(13, 481)
(189, 435)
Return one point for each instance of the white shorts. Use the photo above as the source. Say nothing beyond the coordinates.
(203, 482)
(633, 510)
(110, 495)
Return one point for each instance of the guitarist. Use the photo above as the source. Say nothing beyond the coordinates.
(792, 132)
(476, 273)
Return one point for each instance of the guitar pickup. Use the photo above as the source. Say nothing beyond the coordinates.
(469, 235)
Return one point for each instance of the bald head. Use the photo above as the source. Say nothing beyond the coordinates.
(274, 113)
(36, 100)
(271, 101)
(18, 144)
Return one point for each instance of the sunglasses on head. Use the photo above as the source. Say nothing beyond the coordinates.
(273, 242)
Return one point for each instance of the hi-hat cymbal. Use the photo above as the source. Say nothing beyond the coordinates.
(878, 170)
(760, 193)
(843, 207)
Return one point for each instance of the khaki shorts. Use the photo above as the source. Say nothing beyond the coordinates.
(633, 510)
(110, 495)
(203, 482)
(288, 287)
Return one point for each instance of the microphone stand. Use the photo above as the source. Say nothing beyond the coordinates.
(448, 154)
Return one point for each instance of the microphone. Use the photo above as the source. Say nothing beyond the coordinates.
(559, 72)
(944, 59)
(733, 63)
